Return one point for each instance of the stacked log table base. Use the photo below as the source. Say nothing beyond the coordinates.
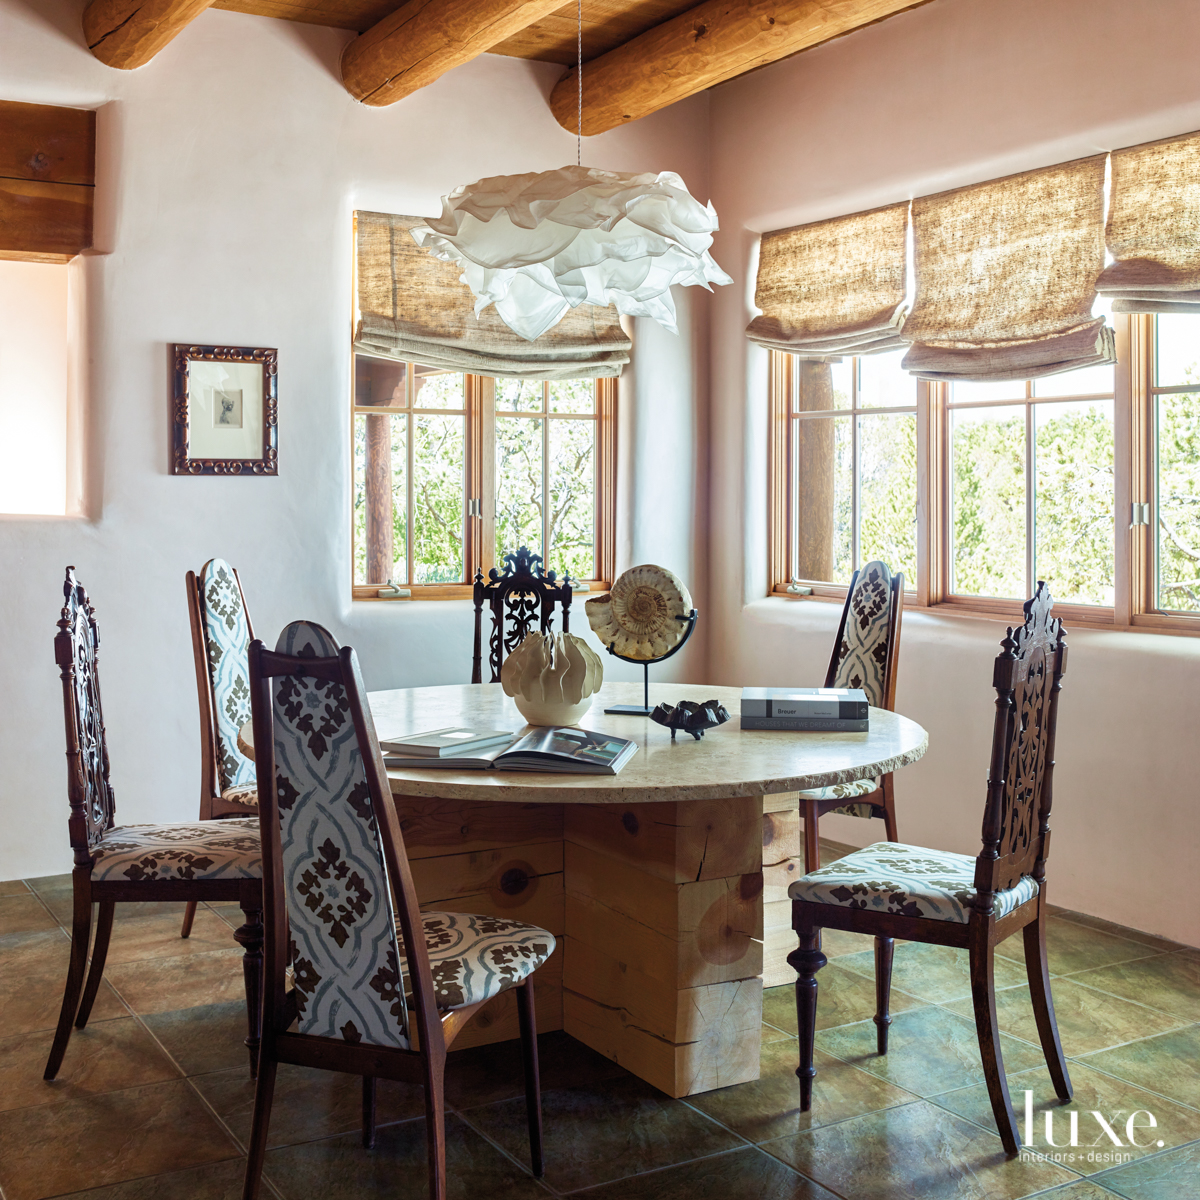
(659, 913)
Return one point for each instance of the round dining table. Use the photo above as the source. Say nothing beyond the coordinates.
(665, 885)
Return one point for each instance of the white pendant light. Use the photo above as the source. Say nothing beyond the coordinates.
(540, 244)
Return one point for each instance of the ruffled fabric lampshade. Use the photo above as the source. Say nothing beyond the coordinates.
(538, 245)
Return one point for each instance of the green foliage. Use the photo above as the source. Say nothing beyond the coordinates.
(1179, 500)
(887, 523)
(438, 466)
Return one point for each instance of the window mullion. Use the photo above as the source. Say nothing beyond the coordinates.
(1030, 494)
(1126, 593)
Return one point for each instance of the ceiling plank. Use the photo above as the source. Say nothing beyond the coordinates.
(713, 42)
(424, 39)
(129, 33)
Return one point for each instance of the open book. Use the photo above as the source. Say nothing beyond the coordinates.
(563, 749)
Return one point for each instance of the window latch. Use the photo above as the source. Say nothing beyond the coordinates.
(1140, 514)
(474, 507)
(796, 588)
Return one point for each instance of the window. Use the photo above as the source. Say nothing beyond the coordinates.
(1089, 480)
(452, 471)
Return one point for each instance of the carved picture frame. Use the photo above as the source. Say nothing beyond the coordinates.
(226, 411)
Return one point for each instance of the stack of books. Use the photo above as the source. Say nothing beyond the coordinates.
(818, 710)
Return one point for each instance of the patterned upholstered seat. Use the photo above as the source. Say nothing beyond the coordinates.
(475, 958)
(206, 850)
(245, 793)
(845, 791)
(910, 881)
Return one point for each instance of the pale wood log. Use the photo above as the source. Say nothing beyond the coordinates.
(424, 39)
(128, 33)
(781, 802)
(681, 842)
(780, 837)
(377, 483)
(778, 942)
(510, 876)
(705, 46)
(433, 827)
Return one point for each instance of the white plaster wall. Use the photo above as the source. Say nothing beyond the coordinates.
(228, 169)
(952, 93)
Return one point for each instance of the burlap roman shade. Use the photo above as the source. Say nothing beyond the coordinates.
(1154, 228)
(834, 287)
(1006, 277)
(413, 307)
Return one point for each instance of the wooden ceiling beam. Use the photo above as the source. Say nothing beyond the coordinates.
(424, 39)
(711, 43)
(129, 33)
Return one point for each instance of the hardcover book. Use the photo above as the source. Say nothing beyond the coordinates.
(565, 749)
(835, 710)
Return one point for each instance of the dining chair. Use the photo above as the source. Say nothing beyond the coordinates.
(116, 864)
(221, 634)
(378, 988)
(521, 594)
(896, 891)
(866, 652)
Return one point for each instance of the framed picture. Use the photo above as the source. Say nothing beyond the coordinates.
(226, 411)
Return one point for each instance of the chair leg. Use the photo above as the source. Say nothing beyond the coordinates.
(533, 1080)
(264, 1093)
(435, 1124)
(250, 937)
(1038, 970)
(983, 996)
(807, 960)
(889, 810)
(81, 932)
(884, 949)
(189, 915)
(104, 924)
(368, 1117)
(812, 840)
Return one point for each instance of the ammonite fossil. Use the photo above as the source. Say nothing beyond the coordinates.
(639, 617)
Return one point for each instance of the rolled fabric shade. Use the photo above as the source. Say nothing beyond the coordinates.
(413, 307)
(1153, 228)
(1006, 277)
(834, 287)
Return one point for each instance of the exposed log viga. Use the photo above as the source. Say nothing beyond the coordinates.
(129, 33)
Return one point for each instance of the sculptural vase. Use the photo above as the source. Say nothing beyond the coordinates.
(550, 712)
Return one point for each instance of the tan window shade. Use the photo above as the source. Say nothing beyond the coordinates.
(834, 287)
(1006, 277)
(413, 307)
(1154, 228)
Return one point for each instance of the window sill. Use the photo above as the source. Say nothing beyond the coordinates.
(450, 591)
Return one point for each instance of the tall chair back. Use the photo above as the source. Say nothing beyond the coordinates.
(339, 901)
(89, 792)
(518, 596)
(1016, 822)
(867, 646)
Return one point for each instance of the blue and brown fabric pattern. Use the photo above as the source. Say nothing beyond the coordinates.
(907, 880)
(862, 653)
(227, 849)
(846, 791)
(227, 639)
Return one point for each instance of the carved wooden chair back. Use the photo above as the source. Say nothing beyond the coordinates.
(519, 597)
(1028, 679)
(76, 650)
(867, 646)
(336, 880)
(221, 636)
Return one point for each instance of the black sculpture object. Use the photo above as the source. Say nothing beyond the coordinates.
(691, 717)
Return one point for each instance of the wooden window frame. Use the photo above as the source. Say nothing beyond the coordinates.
(1134, 436)
(480, 484)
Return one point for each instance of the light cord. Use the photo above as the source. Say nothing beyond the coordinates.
(579, 81)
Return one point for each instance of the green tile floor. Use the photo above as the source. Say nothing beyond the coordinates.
(154, 1098)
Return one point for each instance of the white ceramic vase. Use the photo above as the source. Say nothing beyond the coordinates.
(546, 712)
(552, 678)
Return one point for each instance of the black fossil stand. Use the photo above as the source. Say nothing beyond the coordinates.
(644, 709)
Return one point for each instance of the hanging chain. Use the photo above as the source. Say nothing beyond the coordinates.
(579, 81)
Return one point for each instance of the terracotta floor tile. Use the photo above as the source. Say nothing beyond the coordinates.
(916, 1150)
(1172, 1175)
(1169, 982)
(24, 914)
(1134, 935)
(33, 970)
(771, 1034)
(107, 1056)
(14, 887)
(930, 1050)
(51, 883)
(217, 1181)
(934, 974)
(1088, 1020)
(836, 942)
(1114, 1099)
(209, 1037)
(97, 1140)
(158, 936)
(154, 985)
(843, 997)
(736, 1175)
(340, 1169)
(1072, 947)
(598, 1134)
(1168, 1064)
(769, 1107)
(308, 1104)
(485, 1074)
(62, 905)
